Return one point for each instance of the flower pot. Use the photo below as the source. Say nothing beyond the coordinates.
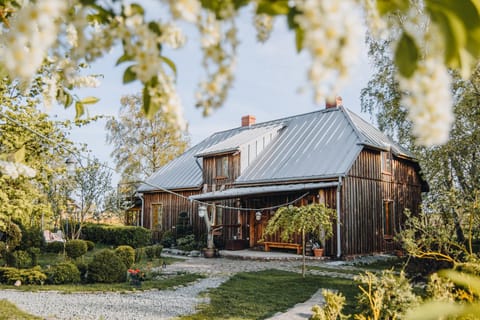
(209, 253)
(318, 252)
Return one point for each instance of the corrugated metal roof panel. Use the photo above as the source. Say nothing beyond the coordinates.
(234, 142)
(238, 192)
(319, 144)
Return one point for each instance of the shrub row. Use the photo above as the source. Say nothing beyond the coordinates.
(117, 235)
(9, 275)
(154, 251)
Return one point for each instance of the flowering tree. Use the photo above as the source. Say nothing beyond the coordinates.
(57, 37)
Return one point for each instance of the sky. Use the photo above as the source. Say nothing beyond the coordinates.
(268, 78)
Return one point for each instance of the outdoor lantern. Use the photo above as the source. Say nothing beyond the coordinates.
(202, 211)
(258, 215)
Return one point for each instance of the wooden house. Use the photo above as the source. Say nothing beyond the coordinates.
(330, 156)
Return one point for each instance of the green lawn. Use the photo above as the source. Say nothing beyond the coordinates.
(8, 311)
(258, 295)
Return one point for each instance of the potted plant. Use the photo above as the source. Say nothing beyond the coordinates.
(317, 249)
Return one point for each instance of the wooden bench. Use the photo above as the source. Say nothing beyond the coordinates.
(283, 245)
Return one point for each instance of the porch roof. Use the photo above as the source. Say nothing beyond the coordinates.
(249, 191)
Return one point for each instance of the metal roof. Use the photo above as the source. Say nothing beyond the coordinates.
(238, 192)
(234, 142)
(316, 145)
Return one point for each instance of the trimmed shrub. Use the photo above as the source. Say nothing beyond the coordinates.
(54, 247)
(90, 245)
(19, 259)
(34, 254)
(106, 267)
(13, 234)
(82, 268)
(150, 252)
(75, 248)
(187, 243)
(26, 276)
(158, 250)
(127, 254)
(117, 235)
(65, 272)
(154, 251)
(168, 239)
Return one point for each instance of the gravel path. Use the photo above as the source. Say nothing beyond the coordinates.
(154, 304)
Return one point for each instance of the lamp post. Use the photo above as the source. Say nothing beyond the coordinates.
(203, 213)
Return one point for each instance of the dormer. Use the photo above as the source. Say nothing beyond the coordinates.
(225, 161)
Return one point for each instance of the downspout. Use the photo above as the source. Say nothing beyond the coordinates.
(339, 243)
(143, 205)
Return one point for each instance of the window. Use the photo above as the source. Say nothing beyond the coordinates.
(388, 219)
(218, 215)
(221, 164)
(386, 162)
(157, 216)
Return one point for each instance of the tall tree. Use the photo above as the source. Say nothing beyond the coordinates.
(141, 144)
(452, 169)
(90, 186)
(25, 197)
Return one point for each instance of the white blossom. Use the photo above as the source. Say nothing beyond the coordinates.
(427, 96)
(33, 31)
(16, 169)
(185, 9)
(333, 38)
(264, 25)
(172, 35)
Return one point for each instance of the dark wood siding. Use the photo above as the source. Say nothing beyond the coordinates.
(364, 190)
(210, 177)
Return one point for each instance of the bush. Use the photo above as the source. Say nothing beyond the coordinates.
(106, 267)
(82, 268)
(168, 239)
(75, 248)
(90, 245)
(31, 237)
(154, 251)
(3, 249)
(150, 252)
(65, 272)
(13, 234)
(139, 253)
(187, 243)
(127, 254)
(19, 259)
(117, 235)
(26, 276)
(54, 247)
(34, 254)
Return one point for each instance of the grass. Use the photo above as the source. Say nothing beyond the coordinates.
(258, 295)
(396, 264)
(8, 311)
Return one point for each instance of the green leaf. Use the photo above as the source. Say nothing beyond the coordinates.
(146, 100)
(299, 37)
(129, 75)
(79, 109)
(434, 310)
(19, 155)
(171, 64)
(68, 100)
(124, 58)
(240, 3)
(463, 279)
(154, 27)
(89, 100)
(137, 9)
(406, 55)
(292, 13)
(273, 7)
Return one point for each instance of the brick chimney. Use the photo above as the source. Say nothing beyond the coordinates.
(334, 104)
(248, 120)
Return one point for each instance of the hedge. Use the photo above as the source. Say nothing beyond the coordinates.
(117, 235)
